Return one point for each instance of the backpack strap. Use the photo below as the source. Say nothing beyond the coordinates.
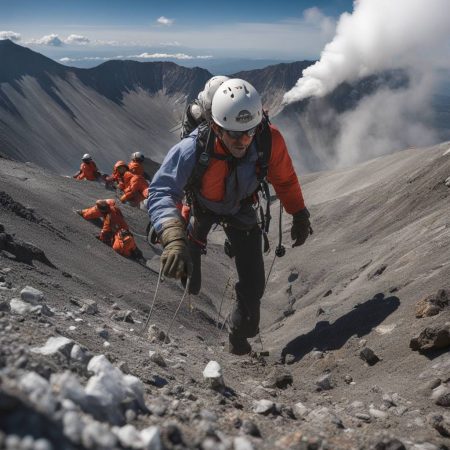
(264, 147)
(204, 150)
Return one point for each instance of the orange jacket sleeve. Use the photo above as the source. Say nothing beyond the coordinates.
(91, 213)
(81, 175)
(135, 187)
(282, 175)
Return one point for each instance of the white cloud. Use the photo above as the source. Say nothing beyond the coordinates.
(315, 17)
(67, 60)
(10, 35)
(170, 44)
(165, 21)
(180, 56)
(107, 43)
(77, 39)
(51, 40)
(294, 38)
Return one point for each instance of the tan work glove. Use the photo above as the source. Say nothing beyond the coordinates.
(175, 258)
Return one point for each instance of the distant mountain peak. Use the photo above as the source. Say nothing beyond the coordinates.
(18, 61)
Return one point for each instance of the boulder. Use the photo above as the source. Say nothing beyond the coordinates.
(437, 337)
(55, 345)
(432, 304)
(212, 373)
(31, 295)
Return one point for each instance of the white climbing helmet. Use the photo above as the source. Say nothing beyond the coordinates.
(211, 86)
(86, 157)
(138, 156)
(237, 106)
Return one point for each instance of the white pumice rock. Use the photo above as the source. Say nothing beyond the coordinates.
(78, 354)
(31, 295)
(323, 415)
(378, 414)
(54, 345)
(38, 391)
(97, 435)
(212, 373)
(263, 406)
(135, 386)
(22, 308)
(439, 391)
(300, 410)
(42, 444)
(98, 364)
(110, 386)
(67, 385)
(72, 426)
(107, 388)
(242, 443)
(69, 405)
(128, 436)
(151, 438)
(157, 358)
(424, 446)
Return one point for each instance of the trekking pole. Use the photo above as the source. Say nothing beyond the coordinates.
(223, 296)
(186, 290)
(280, 251)
(153, 303)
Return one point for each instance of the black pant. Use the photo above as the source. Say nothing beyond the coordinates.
(246, 244)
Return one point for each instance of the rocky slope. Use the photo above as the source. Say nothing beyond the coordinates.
(356, 323)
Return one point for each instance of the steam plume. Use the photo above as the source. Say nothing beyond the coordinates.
(378, 35)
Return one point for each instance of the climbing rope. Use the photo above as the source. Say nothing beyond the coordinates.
(186, 290)
(153, 302)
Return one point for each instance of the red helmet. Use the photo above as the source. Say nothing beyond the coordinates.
(120, 164)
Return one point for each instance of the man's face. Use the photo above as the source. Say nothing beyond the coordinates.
(237, 146)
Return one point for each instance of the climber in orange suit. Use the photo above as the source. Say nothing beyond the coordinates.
(115, 231)
(88, 169)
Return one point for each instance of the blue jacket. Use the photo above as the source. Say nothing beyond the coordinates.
(167, 187)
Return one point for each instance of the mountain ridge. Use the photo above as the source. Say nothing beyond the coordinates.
(110, 111)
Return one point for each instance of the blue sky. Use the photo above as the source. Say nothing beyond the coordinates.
(71, 30)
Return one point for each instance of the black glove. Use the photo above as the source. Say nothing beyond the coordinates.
(301, 227)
